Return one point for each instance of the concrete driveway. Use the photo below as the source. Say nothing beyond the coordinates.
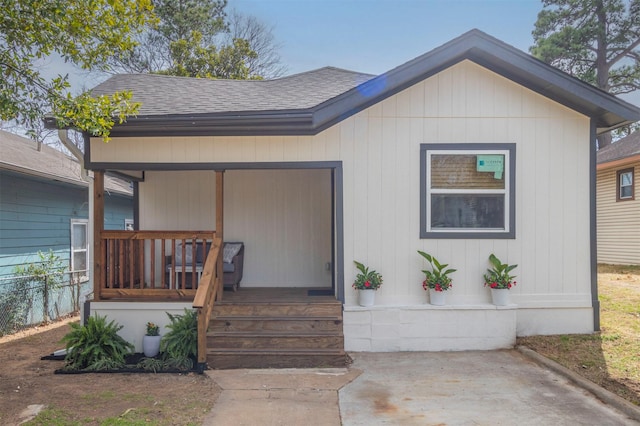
(416, 388)
(467, 388)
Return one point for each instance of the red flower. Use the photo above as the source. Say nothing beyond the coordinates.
(367, 284)
(508, 285)
(494, 285)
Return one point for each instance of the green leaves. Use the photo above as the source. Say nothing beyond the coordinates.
(96, 345)
(87, 34)
(499, 276)
(181, 342)
(438, 278)
(367, 279)
(596, 41)
(191, 58)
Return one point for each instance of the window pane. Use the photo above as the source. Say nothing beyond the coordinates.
(625, 192)
(460, 171)
(625, 179)
(79, 236)
(80, 261)
(467, 211)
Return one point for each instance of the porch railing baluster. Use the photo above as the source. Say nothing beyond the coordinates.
(132, 268)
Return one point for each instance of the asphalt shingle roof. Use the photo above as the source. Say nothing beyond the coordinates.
(628, 146)
(21, 155)
(169, 95)
(310, 102)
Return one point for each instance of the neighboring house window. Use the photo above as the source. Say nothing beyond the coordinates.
(626, 187)
(467, 191)
(80, 246)
(128, 224)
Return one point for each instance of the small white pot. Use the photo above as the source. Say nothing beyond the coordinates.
(150, 345)
(366, 297)
(438, 298)
(500, 296)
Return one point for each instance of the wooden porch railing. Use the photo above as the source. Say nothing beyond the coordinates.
(142, 264)
(209, 289)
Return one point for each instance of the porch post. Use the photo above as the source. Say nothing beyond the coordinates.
(98, 225)
(220, 228)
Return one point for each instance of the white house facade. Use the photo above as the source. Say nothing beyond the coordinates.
(390, 166)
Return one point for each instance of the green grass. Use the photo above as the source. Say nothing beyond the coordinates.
(57, 417)
(611, 357)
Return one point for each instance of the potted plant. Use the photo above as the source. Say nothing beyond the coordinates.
(499, 280)
(151, 340)
(367, 281)
(437, 280)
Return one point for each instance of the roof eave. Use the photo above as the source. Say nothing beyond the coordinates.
(263, 123)
(618, 162)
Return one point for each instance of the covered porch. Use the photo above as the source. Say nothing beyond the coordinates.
(141, 274)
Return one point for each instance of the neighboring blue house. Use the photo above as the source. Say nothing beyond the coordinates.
(44, 204)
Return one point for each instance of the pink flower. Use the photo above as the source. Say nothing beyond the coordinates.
(508, 285)
(494, 285)
(367, 284)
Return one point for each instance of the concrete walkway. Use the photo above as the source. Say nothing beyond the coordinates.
(417, 388)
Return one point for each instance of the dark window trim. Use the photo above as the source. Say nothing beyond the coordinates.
(479, 235)
(633, 184)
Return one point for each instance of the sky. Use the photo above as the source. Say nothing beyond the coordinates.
(373, 36)
(369, 36)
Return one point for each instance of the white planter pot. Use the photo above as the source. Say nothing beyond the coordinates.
(366, 297)
(500, 296)
(151, 346)
(438, 298)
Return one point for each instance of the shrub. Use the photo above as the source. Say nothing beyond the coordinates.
(180, 343)
(96, 345)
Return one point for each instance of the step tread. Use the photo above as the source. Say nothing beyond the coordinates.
(275, 351)
(275, 303)
(276, 317)
(271, 333)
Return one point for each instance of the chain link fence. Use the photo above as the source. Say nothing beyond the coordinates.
(29, 300)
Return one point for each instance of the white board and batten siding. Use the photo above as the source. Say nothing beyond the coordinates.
(282, 217)
(618, 221)
(380, 153)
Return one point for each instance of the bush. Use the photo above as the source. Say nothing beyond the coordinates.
(180, 344)
(96, 345)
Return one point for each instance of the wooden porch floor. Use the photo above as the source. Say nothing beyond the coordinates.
(278, 294)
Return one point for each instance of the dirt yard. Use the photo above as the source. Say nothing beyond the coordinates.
(170, 399)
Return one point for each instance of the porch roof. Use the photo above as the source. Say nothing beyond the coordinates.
(308, 103)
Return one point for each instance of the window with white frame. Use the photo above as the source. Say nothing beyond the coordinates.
(467, 191)
(80, 247)
(625, 185)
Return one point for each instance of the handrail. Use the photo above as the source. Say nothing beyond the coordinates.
(209, 287)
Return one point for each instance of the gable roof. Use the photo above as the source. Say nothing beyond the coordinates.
(168, 95)
(307, 103)
(19, 154)
(624, 151)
